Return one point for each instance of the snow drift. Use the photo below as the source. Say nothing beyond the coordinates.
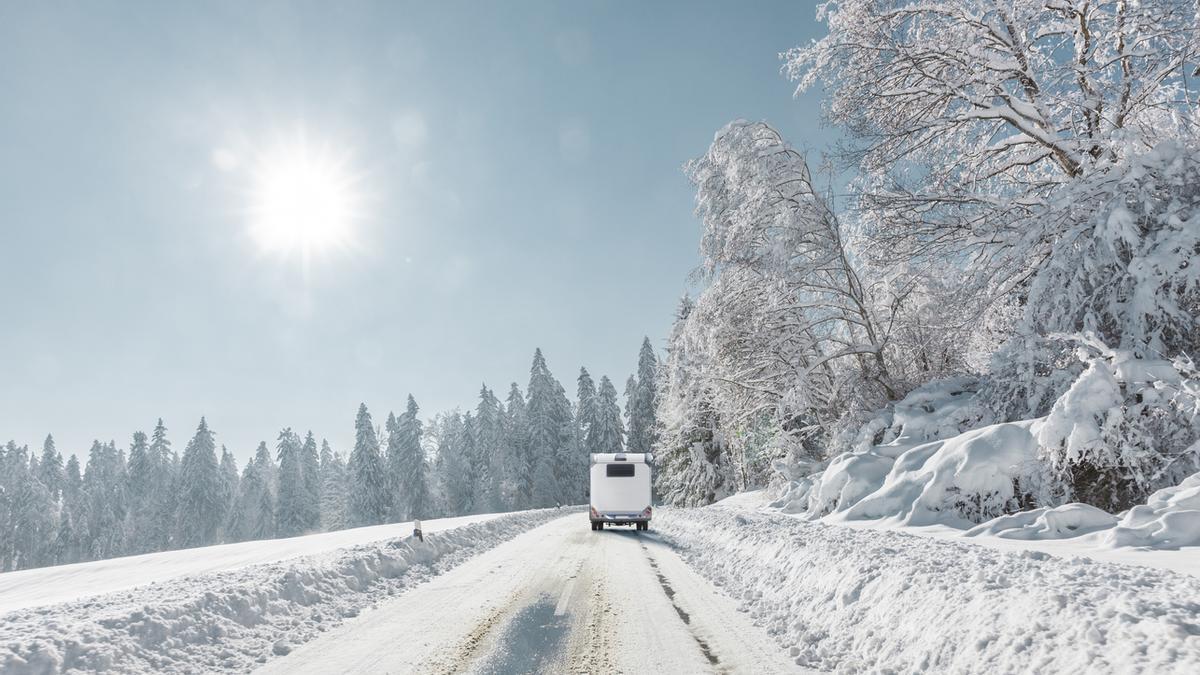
(936, 460)
(882, 601)
(236, 619)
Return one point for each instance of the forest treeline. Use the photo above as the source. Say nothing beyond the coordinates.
(527, 450)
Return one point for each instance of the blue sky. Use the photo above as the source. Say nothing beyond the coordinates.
(517, 172)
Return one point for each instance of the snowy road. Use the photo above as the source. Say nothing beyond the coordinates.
(559, 598)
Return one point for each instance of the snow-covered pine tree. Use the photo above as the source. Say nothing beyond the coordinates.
(310, 466)
(691, 465)
(333, 489)
(246, 518)
(289, 498)
(370, 496)
(201, 510)
(393, 463)
(142, 492)
(631, 388)
(75, 508)
(29, 520)
(517, 465)
(607, 433)
(489, 439)
(585, 409)
(551, 435)
(454, 464)
(413, 487)
(644, 401)
(162, 499)
(50, 469)
(104, 494)
(229, 490)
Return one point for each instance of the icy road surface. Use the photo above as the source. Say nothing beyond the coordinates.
(559, 598)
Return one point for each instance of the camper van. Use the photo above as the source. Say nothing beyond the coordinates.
(620, 493)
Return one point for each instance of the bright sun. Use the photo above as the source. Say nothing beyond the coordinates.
(303, 201)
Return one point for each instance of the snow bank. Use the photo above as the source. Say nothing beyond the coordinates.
(935, 411)
(968, 477)
(236, 619)
(1060, 522)
(853, 600)
(1170, 519)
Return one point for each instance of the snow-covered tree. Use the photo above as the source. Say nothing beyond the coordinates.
(50, 469)
(142, 491)
(644, 400)
(551, 437)
(693, 468)
(289, 498)
(516, 470)
(333, 489)
(310, 469)
(162, 473)
(104, 495)
(413, 480)
(201, 509)
(489, 441)
(453, 461)
(967, 115)
(253, 514)
(585, 409)
(606, 433)
(370, 489)
(229, 489)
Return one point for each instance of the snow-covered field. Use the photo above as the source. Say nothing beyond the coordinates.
(50, 585)
(853, 600)
(224, 608)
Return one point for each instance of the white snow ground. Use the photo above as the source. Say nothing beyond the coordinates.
(885, 601)
(560, 598)
(224, 608)
(49, 585)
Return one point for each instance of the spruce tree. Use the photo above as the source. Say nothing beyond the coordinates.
(644, 402)
(289, 506)
(310, 466)
(200, 505)
(608, 432)
(229, 490)
(333, 489)
(585, 409)
(454, 447)
(517, 463)
(50, 469)
(142, 492)
(369, 489)
(413, 488)
(551, 436)
(489, 437)
(394, 464)
(162, 460)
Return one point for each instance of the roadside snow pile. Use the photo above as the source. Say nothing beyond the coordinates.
(1060, 522)
(1122, 429)
(234, 620)
(965, 479)
(882, 601)
(938, 410)
(1169, 519)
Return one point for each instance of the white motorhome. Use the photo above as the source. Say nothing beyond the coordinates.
(620, 493)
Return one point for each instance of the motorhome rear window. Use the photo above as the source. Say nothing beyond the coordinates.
(619, 471)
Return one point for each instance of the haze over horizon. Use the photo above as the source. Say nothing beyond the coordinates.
(505, 178)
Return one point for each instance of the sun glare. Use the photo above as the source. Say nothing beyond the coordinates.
(303, 202)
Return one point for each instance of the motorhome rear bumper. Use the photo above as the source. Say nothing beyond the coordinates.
(619, 518)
